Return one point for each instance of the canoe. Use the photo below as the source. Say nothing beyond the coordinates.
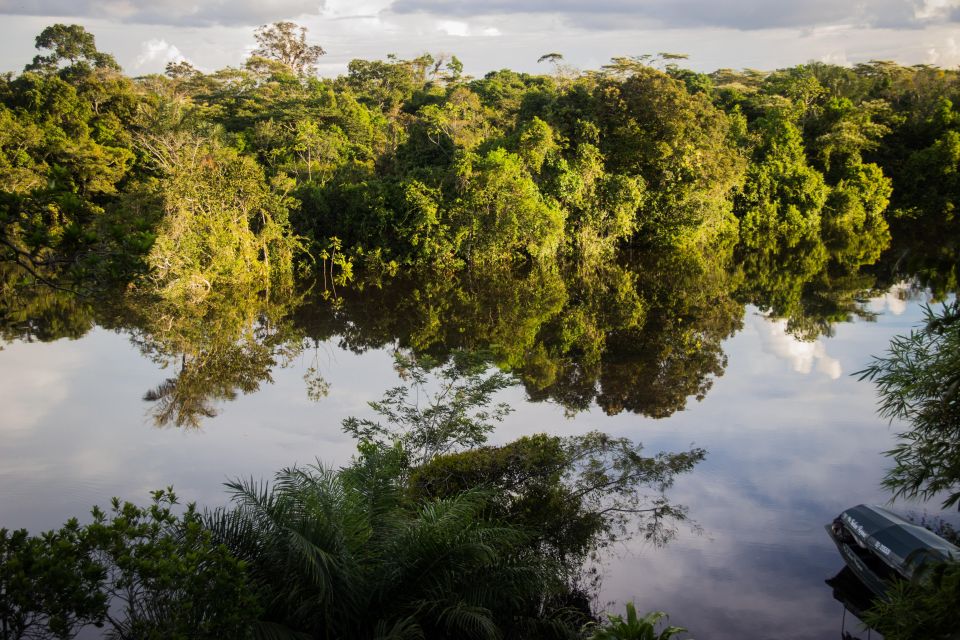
(879, 546)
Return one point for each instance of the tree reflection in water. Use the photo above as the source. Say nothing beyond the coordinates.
(643, 334)
(226, 345)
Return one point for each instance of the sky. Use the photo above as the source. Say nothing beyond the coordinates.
(487, 35)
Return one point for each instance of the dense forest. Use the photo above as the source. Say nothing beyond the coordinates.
(573, 192)
(189, 182)
(596, 234)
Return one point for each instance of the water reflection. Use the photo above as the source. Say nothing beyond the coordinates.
(787, 451)
(811, 278)
(803, 356)
(847, 589)
(218, 348)
(39, 312)
(643, 335)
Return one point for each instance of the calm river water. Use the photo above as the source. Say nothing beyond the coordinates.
(792, 439)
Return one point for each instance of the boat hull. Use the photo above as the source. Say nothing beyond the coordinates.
(853, 559)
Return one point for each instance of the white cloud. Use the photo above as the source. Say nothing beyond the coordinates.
(454, 28)
(169, 12)
(936, 9)
(40, 386)
(353, 8)
(946, 54)
(804, 357)
(462, 29)
(158, 50)
(893, 301)
(835, 57)
(735, 14)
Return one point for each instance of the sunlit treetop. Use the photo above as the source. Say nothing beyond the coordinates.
(286, 42)
(69, 46)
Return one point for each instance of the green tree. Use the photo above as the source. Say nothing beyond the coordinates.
(780, 209)
(341, 554)
(286, 42)
(71, 44)
(63, 163)
(223, 225)
(633, 627)
(458, 415)
(320, 150)
(576, 493)
(459, 123)
(853, 225)
(500, 215)
(142, 572)
(922, 609)
(166, 576)
(50, 587)
(651, 127)
(919, 381)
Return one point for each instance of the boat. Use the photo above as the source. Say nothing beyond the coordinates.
(879, 546)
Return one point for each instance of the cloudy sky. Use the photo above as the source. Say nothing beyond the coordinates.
(490, 34)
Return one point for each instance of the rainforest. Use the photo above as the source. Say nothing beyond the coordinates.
(530, 289)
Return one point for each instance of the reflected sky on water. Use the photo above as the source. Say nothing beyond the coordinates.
(792, 439)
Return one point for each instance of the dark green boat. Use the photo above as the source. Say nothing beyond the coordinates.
(879, 546)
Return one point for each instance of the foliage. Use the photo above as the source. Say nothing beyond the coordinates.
(138, 572)
(223, 225)
(918, 381)
(678, 143)
(633, 627)
(920, 609)
(166, 577)
(64, 151)
(453, 417)
(572, 494)
(500, 212)
(69, 43)
(50, 587)
(342, 555)
(286, 43)
(409, 164)
(577, 493)
(227, 344)
(780, 209)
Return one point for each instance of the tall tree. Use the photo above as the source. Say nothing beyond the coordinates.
(286, 42)
(69, 43)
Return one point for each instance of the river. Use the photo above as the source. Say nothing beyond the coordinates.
(792, 438)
